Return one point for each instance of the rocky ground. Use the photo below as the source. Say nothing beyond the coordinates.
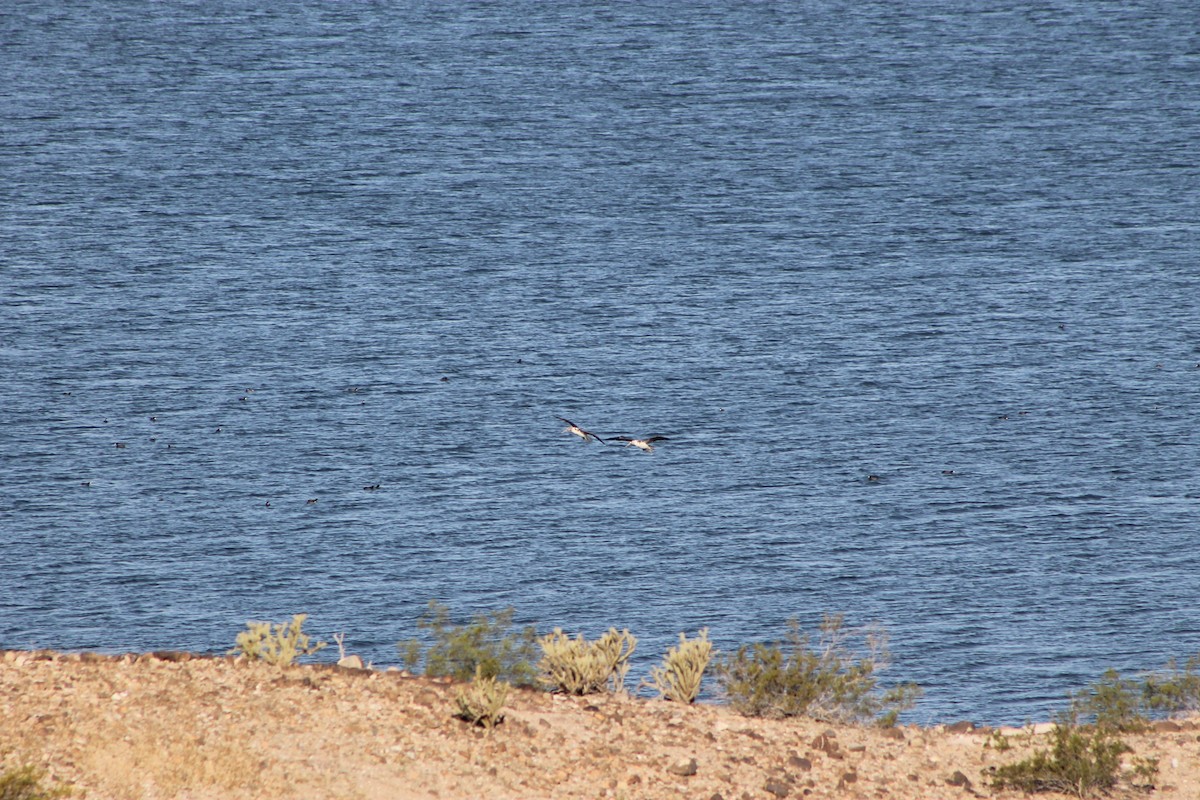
(173, 725)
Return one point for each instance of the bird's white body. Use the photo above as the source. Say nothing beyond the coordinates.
(641, 444)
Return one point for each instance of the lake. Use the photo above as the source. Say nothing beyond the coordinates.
(911, 290)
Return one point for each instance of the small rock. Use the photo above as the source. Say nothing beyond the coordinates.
(847, 779)
(1167, 726)
(892, 733)
(683, 767)
(965, 726)
(350, 662)
(958, 779)
(777, 788)
(799, 762)
(826, 744)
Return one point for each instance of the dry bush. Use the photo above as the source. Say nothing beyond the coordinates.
(25, 783)
(1128, 704)
(278, 644)
(577, 666)
(833, 681)
(482, 702)
(682, 671)
(487, 643)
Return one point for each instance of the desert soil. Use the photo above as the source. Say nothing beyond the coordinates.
(174, 725)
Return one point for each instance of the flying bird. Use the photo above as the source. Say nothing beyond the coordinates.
(641, 444)
(587, 436)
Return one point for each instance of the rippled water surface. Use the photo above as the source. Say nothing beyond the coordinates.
(911, 288)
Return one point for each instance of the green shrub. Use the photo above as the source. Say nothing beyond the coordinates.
(25, 783)
(1113, 702)
(577, 666)
(833, 682)
(1081, 761)
(487, 645)
(278, 644)
(1128, 704)
(482, 702)
(682, 671)
(1085, 759)
(1174, 690)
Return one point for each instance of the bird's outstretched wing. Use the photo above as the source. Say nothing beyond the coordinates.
(585, 433)
(656, 439)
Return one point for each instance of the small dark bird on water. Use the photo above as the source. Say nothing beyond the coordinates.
(587, 436)
(641, 444)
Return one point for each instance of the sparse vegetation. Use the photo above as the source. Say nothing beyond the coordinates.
(682, 672)
(832, 681)
(275, 643)
(25, 783)
(1083, 761)
(577, 666)
(482, 702)
(487, 645)
(1129, 704)
(1114, 703)
(1174, 690)
(998, 742)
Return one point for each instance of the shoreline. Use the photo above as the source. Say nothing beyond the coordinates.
(177, 724)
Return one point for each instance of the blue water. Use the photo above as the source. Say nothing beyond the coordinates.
(254, 256)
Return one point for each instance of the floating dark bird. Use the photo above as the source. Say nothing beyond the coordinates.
(641, 444)
(587, 436)
(373, 487)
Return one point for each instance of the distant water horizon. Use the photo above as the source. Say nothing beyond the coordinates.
(291, 301)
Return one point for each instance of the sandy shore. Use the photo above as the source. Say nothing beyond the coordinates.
(182, 726)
